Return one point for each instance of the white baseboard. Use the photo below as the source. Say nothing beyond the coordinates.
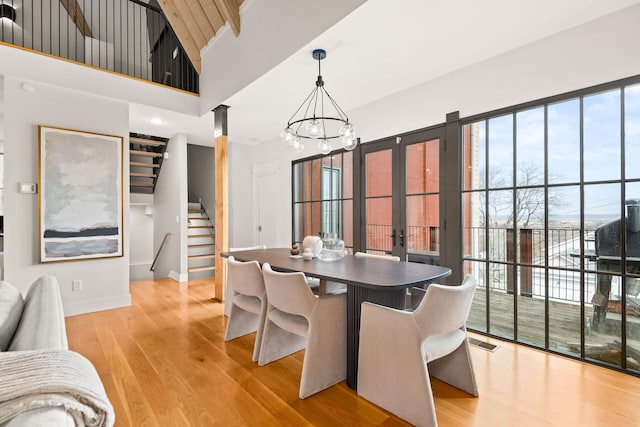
(82, 307)
(140, 271)
(179, 277)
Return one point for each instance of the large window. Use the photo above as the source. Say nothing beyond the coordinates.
(551, 213)
(548, 197)
(323, 197)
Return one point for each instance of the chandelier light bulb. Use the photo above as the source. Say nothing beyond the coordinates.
(349, 143)
(324, 146)
(346, 129)
(297, 145)
(287, 135)
(314, 128)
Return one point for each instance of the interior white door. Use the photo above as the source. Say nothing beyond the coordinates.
(266, 227)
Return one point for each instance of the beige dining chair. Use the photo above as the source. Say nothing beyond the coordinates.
(297, 319)
(248, 306)
(400, 350)
(227, 291)
(414, 295)
(408, 297)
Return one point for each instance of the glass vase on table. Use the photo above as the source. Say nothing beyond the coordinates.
(332, 247)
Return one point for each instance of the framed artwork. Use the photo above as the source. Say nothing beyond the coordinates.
(80, 195)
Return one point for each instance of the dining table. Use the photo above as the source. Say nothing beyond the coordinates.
(366, 279)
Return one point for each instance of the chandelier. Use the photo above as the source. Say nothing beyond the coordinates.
(319, 118)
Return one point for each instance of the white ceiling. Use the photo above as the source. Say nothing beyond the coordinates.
(379, 49)
(154, 121)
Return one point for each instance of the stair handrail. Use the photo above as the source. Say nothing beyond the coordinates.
(155, 259)
(206, 213)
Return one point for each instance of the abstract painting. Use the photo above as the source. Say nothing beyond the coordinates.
(80, 195)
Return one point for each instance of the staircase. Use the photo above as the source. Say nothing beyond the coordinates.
(145, 160)
(201, 242)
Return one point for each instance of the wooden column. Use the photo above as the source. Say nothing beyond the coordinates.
(222, 198)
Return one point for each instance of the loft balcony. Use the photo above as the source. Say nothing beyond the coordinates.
(129, 37)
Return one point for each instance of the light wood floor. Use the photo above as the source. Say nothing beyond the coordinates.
(163, 362)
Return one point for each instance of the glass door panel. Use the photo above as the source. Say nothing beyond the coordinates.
(423, 228)
(379, 228)
(379, 181)
(378, 206)
(419, 239)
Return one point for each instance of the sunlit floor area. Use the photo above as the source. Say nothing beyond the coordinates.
(163, 362)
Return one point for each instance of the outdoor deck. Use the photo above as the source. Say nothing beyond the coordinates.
(564, 326)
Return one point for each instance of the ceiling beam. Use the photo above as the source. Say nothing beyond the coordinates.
(76, 15)
(183, 33)
(212, 13)
(187, 15)
(206, 27)
(230, 11)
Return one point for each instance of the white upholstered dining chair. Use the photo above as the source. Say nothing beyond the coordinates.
(400, 350)
(297, 319)
(248, 302)
(228, 293)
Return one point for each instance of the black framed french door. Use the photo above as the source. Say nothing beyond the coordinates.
(400, 208)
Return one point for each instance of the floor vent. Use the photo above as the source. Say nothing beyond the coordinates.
(483, 345)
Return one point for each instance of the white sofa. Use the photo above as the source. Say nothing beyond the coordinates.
(34, 323)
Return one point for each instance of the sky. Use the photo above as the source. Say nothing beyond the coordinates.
(604, 132)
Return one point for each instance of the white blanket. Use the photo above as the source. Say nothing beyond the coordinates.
(57, 378)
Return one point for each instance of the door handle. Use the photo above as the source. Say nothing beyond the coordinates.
(393, 237)
(402, 238)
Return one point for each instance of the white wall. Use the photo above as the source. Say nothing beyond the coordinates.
(105, 281)
(241, 191)
(230, 63)
(141, 238)
(240, 195)
(170, 212)
(201, 182)
(597, 52)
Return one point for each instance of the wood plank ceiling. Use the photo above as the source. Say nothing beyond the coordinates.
(196, 22)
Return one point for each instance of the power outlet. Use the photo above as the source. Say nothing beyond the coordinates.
(76, 285)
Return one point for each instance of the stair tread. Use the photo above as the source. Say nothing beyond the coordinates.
(204, 256)
(207, 268)
(143, 175)
(202, 235)
(144, 141)
(144, 165)
(145, 153)
(200, 226)
(202, 245)
(140, 184)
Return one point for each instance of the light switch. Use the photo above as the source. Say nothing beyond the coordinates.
(28, 187)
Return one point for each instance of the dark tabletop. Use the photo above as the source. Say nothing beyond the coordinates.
(356, 271)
